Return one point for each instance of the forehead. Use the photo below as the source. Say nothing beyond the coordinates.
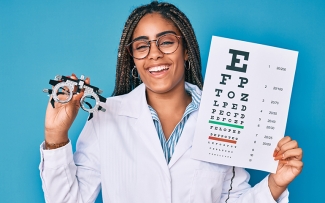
(152, 24)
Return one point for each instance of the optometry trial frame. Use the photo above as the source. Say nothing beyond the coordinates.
(63, 85)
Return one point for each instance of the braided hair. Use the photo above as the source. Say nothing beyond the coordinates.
(125, 82)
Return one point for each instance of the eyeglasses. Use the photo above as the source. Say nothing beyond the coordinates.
(140, 48)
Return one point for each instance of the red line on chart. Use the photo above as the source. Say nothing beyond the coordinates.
(222, 140)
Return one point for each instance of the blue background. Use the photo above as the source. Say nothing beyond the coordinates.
(40, 39)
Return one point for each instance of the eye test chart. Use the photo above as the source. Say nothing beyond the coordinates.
(244, 104)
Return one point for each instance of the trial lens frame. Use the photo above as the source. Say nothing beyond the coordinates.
(92, 92)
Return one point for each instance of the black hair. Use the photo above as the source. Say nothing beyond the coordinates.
(124, 82)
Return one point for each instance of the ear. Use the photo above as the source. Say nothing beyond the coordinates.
(185, 55)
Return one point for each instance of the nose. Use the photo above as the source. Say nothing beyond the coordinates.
(154, 52)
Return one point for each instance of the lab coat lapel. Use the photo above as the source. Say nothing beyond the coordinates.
(135, 105)
(186, 139)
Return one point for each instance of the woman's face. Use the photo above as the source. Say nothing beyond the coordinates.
(161, 73)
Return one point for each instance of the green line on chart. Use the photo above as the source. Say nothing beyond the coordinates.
(226, 124)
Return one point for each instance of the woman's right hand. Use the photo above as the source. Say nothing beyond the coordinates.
(58, 120)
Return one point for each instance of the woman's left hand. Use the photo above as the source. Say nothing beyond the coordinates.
(290, 164)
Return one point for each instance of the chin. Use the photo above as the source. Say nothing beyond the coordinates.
(159, 89)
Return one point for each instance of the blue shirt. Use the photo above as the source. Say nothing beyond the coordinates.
(168, 146)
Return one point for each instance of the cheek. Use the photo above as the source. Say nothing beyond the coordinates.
(179, 71)
(181, 66)
(138, 65)
(180, 60)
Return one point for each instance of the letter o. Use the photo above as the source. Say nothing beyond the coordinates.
(231, 94)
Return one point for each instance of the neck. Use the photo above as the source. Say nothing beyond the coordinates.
(172, 101)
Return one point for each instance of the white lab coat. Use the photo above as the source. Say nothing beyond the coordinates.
(119, 152)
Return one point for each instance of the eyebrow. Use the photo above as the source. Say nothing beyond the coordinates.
(157, 35)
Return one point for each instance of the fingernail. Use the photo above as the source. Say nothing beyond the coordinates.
(276, 151)
(278, 157)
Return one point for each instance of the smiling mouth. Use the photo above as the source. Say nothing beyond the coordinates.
(158, 69)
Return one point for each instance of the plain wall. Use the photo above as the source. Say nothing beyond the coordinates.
(41, 38)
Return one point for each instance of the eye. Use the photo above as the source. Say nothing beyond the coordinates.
(140, 46)
(167, 41)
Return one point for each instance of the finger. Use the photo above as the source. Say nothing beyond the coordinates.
(280, 144)
(73, 76)
(283, 141)
(287, 146)
(289, 154)
(78, 96)
(87, 81)
(65, 90)
(81, 93)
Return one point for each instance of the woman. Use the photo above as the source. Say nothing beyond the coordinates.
(139, 149)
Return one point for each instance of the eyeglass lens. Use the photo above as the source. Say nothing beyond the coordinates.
(166, 44)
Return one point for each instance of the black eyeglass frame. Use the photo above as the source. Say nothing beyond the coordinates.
(149, 44)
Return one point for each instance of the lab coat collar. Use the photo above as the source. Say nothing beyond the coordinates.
(132, 101)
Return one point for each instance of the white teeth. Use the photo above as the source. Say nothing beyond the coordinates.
(158, 68)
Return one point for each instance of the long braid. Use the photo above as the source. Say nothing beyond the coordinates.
(193, 75)
(124, 82)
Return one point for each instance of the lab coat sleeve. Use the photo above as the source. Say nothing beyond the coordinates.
(72, 178)
(242, 192)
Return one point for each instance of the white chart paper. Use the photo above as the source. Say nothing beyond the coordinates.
(245, 103)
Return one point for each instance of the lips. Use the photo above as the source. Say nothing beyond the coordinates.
(157, 69)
